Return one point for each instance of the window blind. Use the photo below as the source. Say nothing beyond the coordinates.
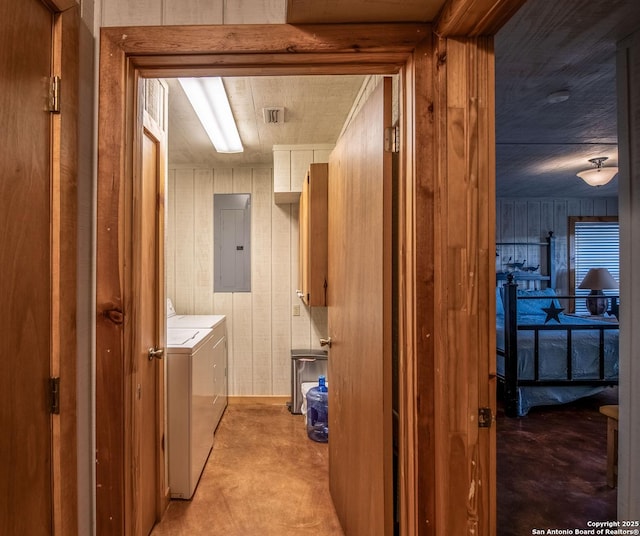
(597, 245)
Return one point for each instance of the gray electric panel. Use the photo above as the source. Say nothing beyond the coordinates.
(232, 242)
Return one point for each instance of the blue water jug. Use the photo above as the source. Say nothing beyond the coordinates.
(318, 412)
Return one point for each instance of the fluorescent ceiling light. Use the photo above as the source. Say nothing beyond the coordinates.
(210, 102)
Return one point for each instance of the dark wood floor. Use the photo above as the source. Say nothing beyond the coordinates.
(552, 467)
(264, 476)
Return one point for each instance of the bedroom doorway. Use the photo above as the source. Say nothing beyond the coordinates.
(538, 447)
(543, 206)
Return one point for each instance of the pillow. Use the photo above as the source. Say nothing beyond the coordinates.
(499, 304)
(534, 307)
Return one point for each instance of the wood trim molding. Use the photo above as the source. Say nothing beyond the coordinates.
(447, 215)
(475, 17)
(62, 5)
(64, 225)
(416, 322)
(462, 311)
(364, 40)
(256, 399)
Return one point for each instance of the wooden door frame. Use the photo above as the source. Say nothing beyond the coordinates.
(413, 51)
(64, 248)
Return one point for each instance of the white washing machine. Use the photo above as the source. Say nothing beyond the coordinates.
(191, 413)
(191, 321)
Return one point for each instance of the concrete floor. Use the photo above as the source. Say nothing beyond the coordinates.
(264, 477)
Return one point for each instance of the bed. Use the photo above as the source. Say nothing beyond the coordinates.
(547, 356)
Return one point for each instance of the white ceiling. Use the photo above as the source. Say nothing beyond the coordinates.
(315, 109)
(549, 45)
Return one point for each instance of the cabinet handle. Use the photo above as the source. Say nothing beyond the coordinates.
(326, 342)
(155, 352)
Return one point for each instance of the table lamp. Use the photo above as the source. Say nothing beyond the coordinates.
(598, 279)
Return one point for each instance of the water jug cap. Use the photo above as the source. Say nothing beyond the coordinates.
(322, 387)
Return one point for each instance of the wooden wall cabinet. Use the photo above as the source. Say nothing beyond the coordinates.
(312, 275)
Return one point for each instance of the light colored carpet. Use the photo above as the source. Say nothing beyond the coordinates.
(263, 477)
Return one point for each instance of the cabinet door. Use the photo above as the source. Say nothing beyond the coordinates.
(313, 236)
(303, 227)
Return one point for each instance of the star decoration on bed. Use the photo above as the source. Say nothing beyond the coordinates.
(553, 312)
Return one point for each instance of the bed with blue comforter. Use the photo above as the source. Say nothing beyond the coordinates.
(545, 356)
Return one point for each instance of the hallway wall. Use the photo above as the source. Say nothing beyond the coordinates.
(179, 12)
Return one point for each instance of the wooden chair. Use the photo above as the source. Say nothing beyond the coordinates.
(611, 412)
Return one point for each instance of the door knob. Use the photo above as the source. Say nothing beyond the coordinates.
(155, 352)
(326, 342)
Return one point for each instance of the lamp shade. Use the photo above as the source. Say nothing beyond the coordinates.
(598, 279)
(598, 176)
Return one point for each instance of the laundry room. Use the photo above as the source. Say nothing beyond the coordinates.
(265, 318)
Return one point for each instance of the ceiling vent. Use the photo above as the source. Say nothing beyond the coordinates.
(273, 115)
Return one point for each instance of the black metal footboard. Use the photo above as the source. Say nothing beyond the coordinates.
(509, 378)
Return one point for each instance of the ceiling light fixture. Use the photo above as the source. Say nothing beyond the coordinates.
(210, 102)
(558, 96)
(598, 175)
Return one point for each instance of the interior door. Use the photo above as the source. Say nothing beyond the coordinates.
(359, 316)
(149, 340)
(25, 257)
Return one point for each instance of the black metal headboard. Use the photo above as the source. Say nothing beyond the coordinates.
(550, 278)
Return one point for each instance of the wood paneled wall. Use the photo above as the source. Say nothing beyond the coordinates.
(530, 220)
(179, 12)
(261, 326)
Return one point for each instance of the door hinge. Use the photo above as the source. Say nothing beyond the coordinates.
(54, 395)
(485, 417)
(392, 139)
(54, 94)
